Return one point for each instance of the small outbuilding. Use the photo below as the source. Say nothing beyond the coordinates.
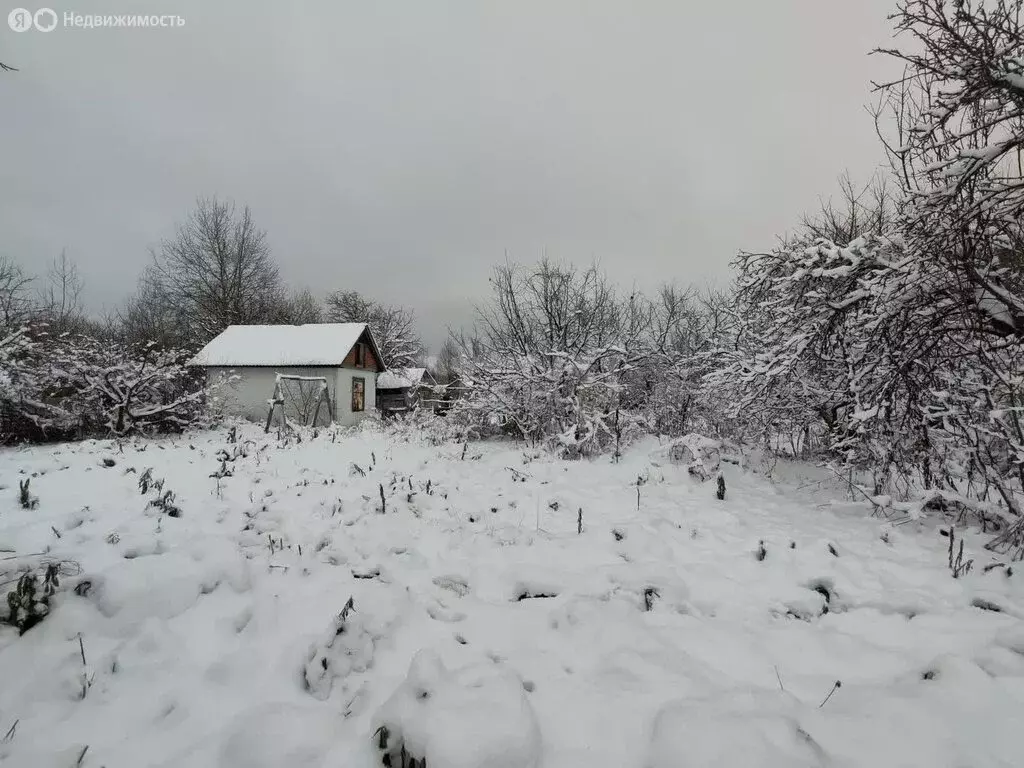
(404, 389)
(315, 374)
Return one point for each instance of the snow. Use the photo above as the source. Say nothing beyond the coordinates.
(699, 454)
(400, 378)
(281, 345)
(656, 638)
(1013, 79)
(755, 729)
(474, 717)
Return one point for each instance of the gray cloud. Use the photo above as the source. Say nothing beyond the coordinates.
(402, 148)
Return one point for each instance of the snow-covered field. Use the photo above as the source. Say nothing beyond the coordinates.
(485, 631)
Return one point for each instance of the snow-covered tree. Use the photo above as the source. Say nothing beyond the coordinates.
(803, 346)
(549, 356)
(895, 335)
(667, 386)
(958, 146)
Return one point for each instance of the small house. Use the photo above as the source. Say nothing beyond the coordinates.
(404, 389)
(314, 373)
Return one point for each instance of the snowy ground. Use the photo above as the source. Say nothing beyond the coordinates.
(212, 639)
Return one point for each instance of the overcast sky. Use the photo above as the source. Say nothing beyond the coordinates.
(402, 148)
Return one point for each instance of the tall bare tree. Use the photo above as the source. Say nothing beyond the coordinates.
(393, 328)
(216, 271)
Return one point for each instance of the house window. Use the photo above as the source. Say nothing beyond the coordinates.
(360, 355)
(358, 394)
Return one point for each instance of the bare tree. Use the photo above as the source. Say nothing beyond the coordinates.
(668, 382)
(60, 299)
(959, 146)
(550, 355)
(15, 299)
(149, 315)
(870, 209)
(446, 369)
(350, 307)
(718, 319)
(300, 308)
(548, 307)
(216, 271)
(393, 328)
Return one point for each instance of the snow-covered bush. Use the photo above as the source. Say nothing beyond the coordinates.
(699, 454)
(474, 717)
(570, 404)
(667, 387)
(345, 648)
(425, 424)
(553, 360)
(29, 602)
(72, 386)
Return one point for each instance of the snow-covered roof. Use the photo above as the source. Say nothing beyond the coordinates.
(281, 345)
(400, 378)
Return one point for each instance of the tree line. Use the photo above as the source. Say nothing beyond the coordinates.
(64, 373)
(216, 270)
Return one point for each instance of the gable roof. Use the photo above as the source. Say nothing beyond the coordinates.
(400, 378)
(322, 344)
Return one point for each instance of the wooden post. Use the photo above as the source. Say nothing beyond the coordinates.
(323, 397)
(274, 402)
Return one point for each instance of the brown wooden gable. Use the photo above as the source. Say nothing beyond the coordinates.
(370, 360)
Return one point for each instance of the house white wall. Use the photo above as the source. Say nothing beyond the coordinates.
(344, 390)
(247, 395)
